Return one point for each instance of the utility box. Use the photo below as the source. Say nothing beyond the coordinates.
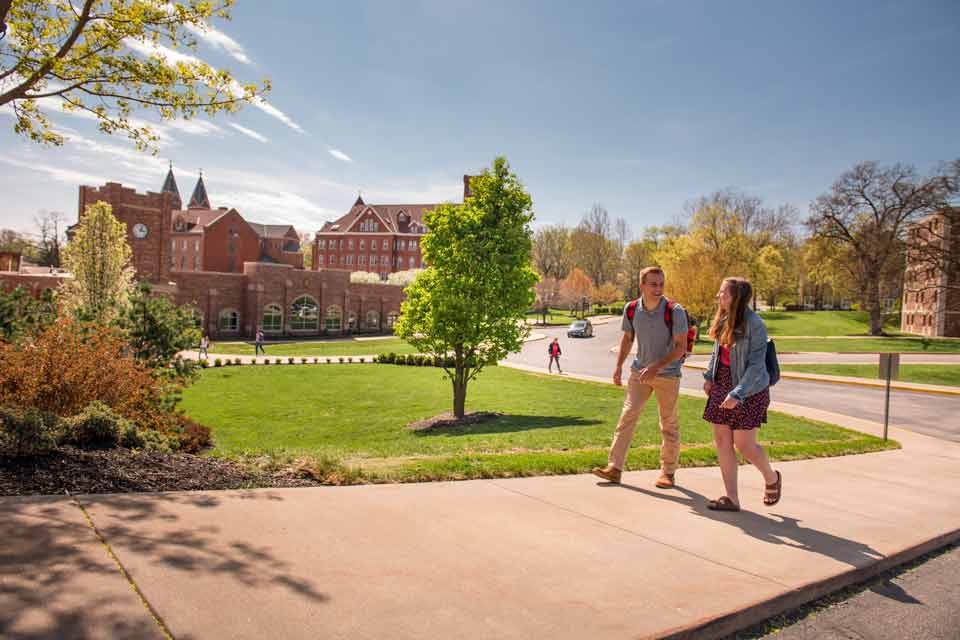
(890, 366)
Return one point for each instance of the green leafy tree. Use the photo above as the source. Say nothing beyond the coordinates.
(470, 303)
(21, 314)
(98, 257)
(107, 57)
(156, 328)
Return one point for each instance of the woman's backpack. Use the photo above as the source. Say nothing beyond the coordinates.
(773, 365)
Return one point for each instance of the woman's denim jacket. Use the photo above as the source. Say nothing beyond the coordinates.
(748, 359)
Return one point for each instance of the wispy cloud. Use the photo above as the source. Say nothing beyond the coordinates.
(248, 132)
(173, 58)
(59, 174)
(220, 40)
(339, 155)
(280, 207)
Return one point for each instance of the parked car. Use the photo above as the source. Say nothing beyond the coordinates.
(580, 329)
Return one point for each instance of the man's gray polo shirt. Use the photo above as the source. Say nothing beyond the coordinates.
(654, 339)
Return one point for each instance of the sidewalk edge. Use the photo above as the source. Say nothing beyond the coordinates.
(724, 625)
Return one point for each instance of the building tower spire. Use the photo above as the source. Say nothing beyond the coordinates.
(170, 186)
(199, 199)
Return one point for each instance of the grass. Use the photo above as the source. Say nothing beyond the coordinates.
(556, 317)
(347, 423)
(948, 375)
(351, 347)
(906, 344)
(824, 323)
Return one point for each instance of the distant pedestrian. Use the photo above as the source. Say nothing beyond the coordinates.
(204, 345)
(738, 392)
(258, 344)
(554, 351)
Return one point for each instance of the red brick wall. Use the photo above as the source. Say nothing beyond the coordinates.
(34, 283)
(151, 254)
(217, 254)
(186, 251)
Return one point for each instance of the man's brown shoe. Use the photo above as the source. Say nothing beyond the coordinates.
(609, 473)
(665, 481)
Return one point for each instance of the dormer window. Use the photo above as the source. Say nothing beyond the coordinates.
(403, 217)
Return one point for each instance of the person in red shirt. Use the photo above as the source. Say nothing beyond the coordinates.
(554, 351)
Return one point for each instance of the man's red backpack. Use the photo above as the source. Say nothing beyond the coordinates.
(668, 320)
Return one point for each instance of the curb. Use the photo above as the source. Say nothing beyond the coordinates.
(724, 625)
(862, 382)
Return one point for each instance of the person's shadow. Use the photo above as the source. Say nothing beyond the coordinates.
(775, 529)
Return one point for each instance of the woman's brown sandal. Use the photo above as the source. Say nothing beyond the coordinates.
(723, 503)
(771, 494)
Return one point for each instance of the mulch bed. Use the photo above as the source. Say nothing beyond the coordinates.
(121, 471)
(449, 421)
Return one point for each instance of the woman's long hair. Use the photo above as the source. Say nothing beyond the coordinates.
(741, 292)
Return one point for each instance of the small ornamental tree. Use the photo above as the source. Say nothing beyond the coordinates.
(472, 299)
(98, 257)
(157, 329)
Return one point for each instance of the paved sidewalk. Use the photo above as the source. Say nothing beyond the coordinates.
(559, 557)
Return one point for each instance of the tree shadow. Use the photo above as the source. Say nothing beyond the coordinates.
(774, 529)
(509, 423)
(894, 592)
(51, 563)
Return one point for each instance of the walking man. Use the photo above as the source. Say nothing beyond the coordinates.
(258, 344)
(554, 351)
(660, 328)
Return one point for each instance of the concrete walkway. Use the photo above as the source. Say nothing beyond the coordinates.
(559, 557)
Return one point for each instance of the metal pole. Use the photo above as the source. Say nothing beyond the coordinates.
(886, 407)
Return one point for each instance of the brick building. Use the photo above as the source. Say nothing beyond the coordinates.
(380, 238)
(931, 300)
(239, 275)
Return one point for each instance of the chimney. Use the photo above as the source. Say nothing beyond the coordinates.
(466, 187)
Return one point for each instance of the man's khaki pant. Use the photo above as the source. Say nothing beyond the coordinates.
(666, 390)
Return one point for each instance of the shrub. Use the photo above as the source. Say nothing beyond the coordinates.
(266, 361)
(329, 360)
(349, 360)
(134, 438)
(217, 362)
(193, 436)
(277, 361)
(341, 360)
(237, 361)
(391, 357)
(316, 360)
(363, 360)
(204, 364)
(25, 432)
(72, 364)
(303, 360)
(96, 426)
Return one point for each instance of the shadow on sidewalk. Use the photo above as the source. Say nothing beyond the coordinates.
(774, 529)
(51, 562)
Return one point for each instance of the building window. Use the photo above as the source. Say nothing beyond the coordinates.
(392, 318)
(403, 245)
(349, 259)
(173, 245)
(341, 243)
(384, 261)
(361, 259)
(196, 245)
(363, 244)
(373, 260)
(321, 243)
(413, 245)
(319, 260)
(386, 245)
(331, 321)
(411, 262)
(196, 263)
(272, 318)
(197, 318)
(331, 260)
(373, 320)
(350, 243)
(183, 263)
(304, 314)
(229, 321)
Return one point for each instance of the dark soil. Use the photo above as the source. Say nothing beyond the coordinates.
(449, 421)
(122, 471)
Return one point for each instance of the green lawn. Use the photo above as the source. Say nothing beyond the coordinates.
(823, 323)
(948, 375)
(910, 344)
(555, 317)
(348, 423)
(318, 347)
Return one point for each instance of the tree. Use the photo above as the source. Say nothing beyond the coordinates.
(470, 303)
(547, 292)
(50, 226)
(157, 329)
(575, 289)
(636, 256)
(105, 57)
(593, 246)
(21, 314)
(692, 274)
(607, 293)
(98, 257)
(869, 210)
(551, 252)
(16, 242)
(306, 247)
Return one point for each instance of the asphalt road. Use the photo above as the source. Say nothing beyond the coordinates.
(930, 414)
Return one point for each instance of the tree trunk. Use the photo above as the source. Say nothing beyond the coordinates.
(873, 303)
(459, 391)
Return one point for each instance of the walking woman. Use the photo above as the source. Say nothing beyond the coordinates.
(738, 392)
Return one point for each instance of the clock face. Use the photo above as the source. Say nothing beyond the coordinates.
(140, 230)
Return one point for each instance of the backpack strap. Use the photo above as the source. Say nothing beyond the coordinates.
(632, 309)
(668, 314)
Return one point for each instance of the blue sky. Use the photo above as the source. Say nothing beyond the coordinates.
(640, 106)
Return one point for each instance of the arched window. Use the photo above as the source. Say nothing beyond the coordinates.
(229, 321)
(304, 314)
(332, 319)
(373, 320)
(392, 318)
(272, 318)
